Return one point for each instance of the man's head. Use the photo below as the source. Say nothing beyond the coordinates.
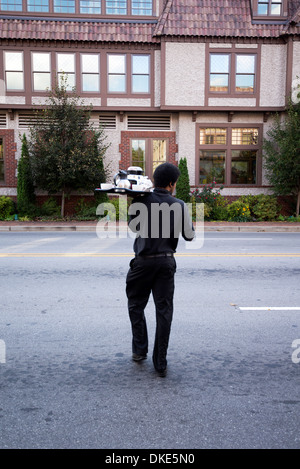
(166, 175)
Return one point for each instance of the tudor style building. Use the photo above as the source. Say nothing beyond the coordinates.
(199, 79)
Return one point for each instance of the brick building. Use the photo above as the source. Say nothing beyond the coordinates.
(200, 79)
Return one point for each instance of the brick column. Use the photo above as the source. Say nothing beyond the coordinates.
(10, 162)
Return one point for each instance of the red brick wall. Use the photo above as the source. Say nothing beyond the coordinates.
(10, 162)
(125, 148)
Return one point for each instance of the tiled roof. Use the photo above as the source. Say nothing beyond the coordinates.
(231, 18)
(77, 31)
(188, 18)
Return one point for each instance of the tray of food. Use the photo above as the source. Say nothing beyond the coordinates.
(122, 190)
(131, 182)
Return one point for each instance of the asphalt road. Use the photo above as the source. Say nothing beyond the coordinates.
(66, 375)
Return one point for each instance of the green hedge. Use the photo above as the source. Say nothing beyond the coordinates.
(7, 207)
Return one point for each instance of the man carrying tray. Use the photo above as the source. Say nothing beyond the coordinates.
(158, 219)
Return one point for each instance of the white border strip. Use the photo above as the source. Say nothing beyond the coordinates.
(270, 308)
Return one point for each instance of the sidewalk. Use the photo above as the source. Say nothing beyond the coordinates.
(75, 225)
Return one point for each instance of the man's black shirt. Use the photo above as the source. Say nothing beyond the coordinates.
(158, 218)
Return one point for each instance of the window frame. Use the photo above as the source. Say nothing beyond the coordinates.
(233, 53)
(14, 90)
(51, 11)
(149, 151)
(28, 92)
(128, 74)
(269, 16)
(229, 147)
(67, 74)
(33, 72)
(82, 73)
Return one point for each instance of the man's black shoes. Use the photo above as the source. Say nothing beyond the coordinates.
(138, 358)
(162, 373)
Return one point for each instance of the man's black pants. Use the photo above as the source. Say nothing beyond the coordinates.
(148, 275)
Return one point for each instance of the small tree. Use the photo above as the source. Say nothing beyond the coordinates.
(66, 151)
(183, 184)
(25, 186)
(282, 155)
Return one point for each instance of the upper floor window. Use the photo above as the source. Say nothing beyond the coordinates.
(83, 7)
(66, 66)
(90, 71)
(140, 73)
(38, 5)
(116, 73)
(41, 71)
(116, 7)
(11, 5)
(269, 7)
(14, 71)
(123, 73)
(91, 7)
(64, 6)
(232, 73)
(141, 7)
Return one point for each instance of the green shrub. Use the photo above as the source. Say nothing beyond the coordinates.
(266, 208)
(239, 211)
(25, 187)
(116, 208)
(50, 208)
(250, 200)
(215, 203)
(183, 184)
(220, 212)
(206, 208)
(7, 207)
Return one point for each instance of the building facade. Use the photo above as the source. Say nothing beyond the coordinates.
(168, 79)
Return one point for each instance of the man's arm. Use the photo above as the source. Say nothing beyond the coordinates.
(188, 231)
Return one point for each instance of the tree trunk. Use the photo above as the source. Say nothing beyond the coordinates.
(298, 203)
(62, 211)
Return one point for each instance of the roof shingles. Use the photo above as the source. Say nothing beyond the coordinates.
(191, 18)
(218, 18)
(76, 31)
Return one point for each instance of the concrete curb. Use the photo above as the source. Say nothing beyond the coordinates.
(207, 228)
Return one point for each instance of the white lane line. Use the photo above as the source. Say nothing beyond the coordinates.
(269, 308)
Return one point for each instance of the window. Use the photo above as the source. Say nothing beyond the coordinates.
(64, 6)
(14, 72)
(1, 161)
(140, 73)
(41, 71)
(219, 72)
(90, 72)
(116, 73)
(269, 7)
(38, 5)
(66, 66)
(148, 153)
(141, 7)
(138, 149)
(83, 7)
(245, 73)
(90, 6)
(128, 70)
(232, 73)
(116, 7)
(11, 5)
(229, 155)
